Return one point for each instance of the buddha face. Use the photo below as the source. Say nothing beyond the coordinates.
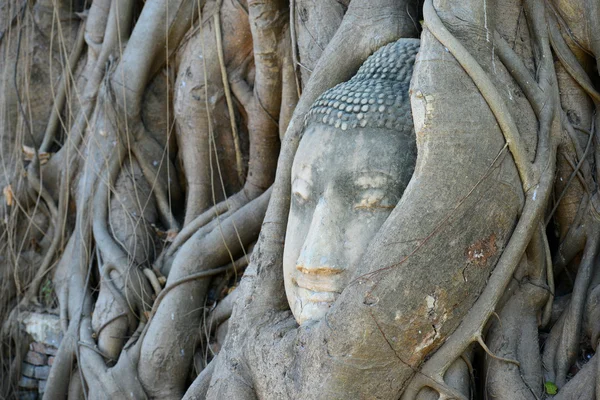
(344, 186)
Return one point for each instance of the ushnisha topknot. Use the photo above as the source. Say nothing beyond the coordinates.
(376, 97)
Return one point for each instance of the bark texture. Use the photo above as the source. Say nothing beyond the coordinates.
(145, 160)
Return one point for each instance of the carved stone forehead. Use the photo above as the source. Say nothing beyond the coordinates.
(376, 97)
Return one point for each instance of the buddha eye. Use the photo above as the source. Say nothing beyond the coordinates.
(374, 200)
(301, 190)
(375, 191)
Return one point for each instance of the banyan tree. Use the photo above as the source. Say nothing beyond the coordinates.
(332, 199)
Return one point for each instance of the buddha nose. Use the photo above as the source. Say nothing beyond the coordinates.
(320, 254)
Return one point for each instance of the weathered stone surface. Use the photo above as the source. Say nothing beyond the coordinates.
(28, 370)
(43, 328)
(42, 372)
(36, 358)
(51, 350)
(51, 360)
(28, 383)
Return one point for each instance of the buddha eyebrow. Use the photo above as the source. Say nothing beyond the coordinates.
(373, 179)
(304, 172)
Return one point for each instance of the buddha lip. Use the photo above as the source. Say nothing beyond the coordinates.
(319, 297)
(322, 271)
(317, 291)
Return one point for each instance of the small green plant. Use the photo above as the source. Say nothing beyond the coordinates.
(46, 293)
(551, 388)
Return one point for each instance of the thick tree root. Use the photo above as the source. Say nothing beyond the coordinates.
(537, 195)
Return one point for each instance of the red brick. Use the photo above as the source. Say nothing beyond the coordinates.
(42, 372)
(28, 383)
(28, 370)
(36, 358)
(38, 347)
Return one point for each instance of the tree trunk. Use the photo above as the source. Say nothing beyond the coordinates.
(147, 152)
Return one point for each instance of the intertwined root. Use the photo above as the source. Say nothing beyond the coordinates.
(116, 171)
(513, 336)
(105, 211)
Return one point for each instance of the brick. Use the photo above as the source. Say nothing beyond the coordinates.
(28, 383)
(36, 358)
(23, 395)
(43, 348)
(42, 387)
(37, 347)
(50, 360)
(42, 372)
(28, 370)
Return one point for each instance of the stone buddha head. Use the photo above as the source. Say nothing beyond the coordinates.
(355, 159)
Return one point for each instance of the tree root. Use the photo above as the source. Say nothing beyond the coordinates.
(537, 195)
(57, 217)
(583, 386)
(199, 388)
(204, 252)
(163, 334)
(234, 132)
(487, 90)
(236, 266)
(561, 348)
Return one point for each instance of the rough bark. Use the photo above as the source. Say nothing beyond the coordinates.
(143, 143)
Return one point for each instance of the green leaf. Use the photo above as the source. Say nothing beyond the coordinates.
(551, 387)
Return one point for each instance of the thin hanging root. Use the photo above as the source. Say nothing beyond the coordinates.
(547, 311)
(576, 170)
(162, 198)
(520, 73)
(111, 251)
(236, 138)
(61, 94)
(198, 222)
(578, 173)
(56, 217)
(294, 39)
(533, 92)
(495, 357)
(153, 280)
(238, 264)
(165, 260)
(96, 350)
(117, 294)
(572, 66)
(586, 170)
(471, 371)
(108, 322)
